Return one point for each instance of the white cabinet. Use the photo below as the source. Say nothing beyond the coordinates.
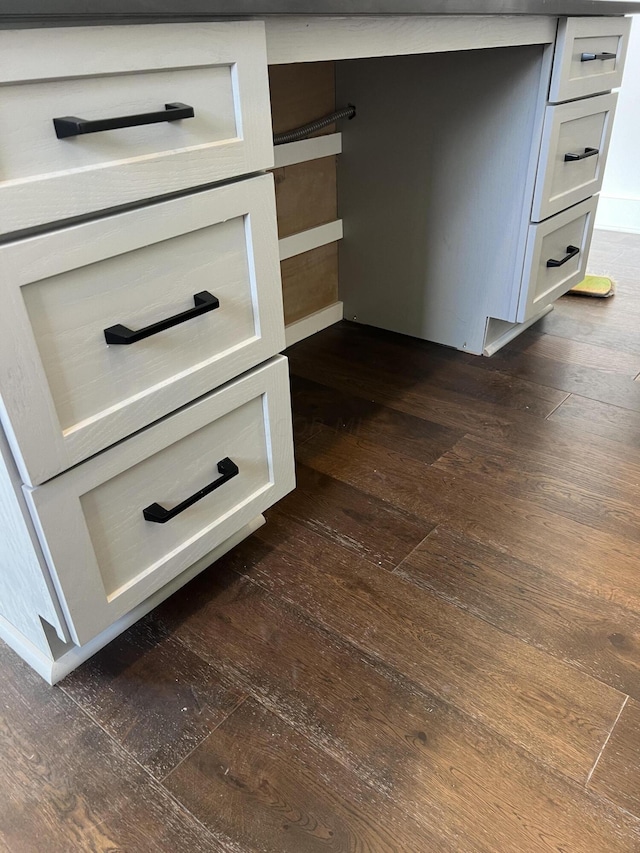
(145, 413)
(590, 57)
(575, 145)
(57, 159)
(122, 525)
(146, 419)
(556, 259)
(195, 280)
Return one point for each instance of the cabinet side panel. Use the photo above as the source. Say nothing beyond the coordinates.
(434, 181)
(25, 588)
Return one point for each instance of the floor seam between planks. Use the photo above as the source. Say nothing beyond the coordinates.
(413, 550)
(146, 771)
(379, 664)
(606, 741)
(417, 748)
(604, 350)
(555, 408)
(451, 600)
(208, 735)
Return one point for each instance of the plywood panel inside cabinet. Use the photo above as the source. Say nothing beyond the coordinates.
(306, 195)
(301, 93)
(310, 282)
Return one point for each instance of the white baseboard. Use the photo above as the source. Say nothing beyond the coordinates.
(25, 649)
(618, 214)
(506, 332)
(54, 670)
(315, 322)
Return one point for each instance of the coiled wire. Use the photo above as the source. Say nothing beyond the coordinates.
(307, 129)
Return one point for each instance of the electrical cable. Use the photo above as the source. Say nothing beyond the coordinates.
(307, 129)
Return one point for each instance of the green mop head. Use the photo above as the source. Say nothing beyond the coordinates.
(594, 285)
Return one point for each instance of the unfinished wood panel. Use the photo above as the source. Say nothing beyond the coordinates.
(306, 195)
(310, 282)
(301, 93)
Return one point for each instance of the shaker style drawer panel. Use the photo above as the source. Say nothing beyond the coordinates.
(111, 324)
(122, 525)
(556, 257)
(589, 58)
(575, 143)
(92, 118)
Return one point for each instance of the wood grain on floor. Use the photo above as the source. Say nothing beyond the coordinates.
(433, 644)
(66, 785)
(591, 417)
(161, 701)
(617, 774)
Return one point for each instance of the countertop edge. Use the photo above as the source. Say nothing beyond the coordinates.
(67, 12)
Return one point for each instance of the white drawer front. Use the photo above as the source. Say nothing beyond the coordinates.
(575, 144)
(556, 240)
(589, 58)
(102, 73)
(135, 269)
(105, 556)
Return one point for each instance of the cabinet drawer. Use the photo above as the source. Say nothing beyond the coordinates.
(127, 75)
(556, 257)
(575, 144)
(589, 58)
(104, 553)
(207, 262)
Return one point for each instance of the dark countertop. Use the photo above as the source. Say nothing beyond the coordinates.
(149, 10)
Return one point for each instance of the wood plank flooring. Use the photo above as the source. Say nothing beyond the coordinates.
(433, 644)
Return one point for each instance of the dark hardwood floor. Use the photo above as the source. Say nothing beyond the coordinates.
(433, 644)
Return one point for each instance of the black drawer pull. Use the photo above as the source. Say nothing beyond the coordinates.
(589, 57)
(74, 126)
(119, 334)
(572, 251)
(160, 515)
(588, 152)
